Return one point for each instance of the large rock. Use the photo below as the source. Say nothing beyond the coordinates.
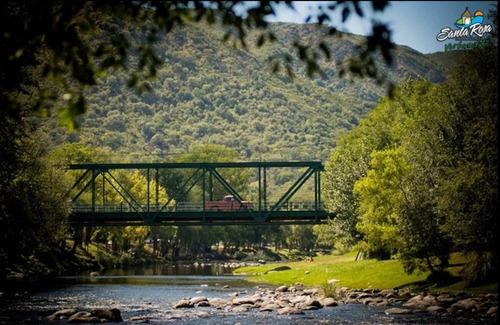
(330, 302)
(467, 304)
(290, 311)
(184, 303)
(110, 315)
(398, 311)
(83, 317)
(197, 300)
(281, 289)
(436, 309)
(217, 302)
(62, 314)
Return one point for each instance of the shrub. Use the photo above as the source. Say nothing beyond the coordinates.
(330, 289)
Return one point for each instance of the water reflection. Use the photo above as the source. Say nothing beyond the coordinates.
(173, 269)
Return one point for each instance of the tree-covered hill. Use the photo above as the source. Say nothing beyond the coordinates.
(212, 92)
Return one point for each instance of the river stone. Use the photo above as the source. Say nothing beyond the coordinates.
(492, 311)
(240, 309)
(330, 302)
(62, 314)
(270, 307)
(436, 309)
(445, 300)
(281, 289)
(143, 319)
(290, 311)
(298, 299)
(398, 311)
(184, 303)
(310, 292)
(284, 303)
(111, 315)
(83, 317)
(311, 302)
(196, 300)
(415, 300)
(203, 303)
(243, 300)
(364, 296)
(217, 302)
(467, 304)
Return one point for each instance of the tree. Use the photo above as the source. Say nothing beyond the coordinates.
(381, 192)
(33, 206)
(350, 161)
(464, 146)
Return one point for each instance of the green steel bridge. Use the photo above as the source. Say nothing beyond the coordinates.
(104, 195)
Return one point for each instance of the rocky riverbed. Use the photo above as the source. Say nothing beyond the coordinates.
(296, 299)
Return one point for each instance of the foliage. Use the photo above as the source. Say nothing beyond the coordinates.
(381, 192)
(61, 31)
(430, 185)
(33, 205)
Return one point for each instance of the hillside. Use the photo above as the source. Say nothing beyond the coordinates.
(210, 92)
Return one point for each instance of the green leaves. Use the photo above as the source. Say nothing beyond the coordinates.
(431, 186)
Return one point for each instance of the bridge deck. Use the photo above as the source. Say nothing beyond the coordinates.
(189, 213)
(196, 218)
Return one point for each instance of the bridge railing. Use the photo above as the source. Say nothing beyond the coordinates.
(190, 207)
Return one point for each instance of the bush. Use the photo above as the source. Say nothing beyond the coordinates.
(481, 270)
(263, 255)
(126, 260)
(330, 289)
(105, 261)
(239, 255)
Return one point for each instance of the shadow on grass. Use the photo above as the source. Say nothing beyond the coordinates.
(426, 284)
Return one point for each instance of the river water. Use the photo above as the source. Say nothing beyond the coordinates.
(147, 295)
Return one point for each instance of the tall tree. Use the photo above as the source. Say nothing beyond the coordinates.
(468, 184)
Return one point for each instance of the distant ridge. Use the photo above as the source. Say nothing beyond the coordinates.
(209, 92)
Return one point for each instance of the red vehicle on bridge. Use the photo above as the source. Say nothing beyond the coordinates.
(229, 204)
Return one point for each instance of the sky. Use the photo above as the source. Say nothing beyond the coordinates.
(412, 23)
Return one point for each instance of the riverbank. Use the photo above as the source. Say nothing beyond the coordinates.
(364, 274)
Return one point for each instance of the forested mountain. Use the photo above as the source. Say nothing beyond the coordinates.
(211, 92)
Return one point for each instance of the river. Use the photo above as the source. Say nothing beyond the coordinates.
(147, 295)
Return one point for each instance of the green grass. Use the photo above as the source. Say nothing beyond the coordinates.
(355, 274)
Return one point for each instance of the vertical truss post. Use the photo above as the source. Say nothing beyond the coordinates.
(157, 189)
(265, 188)
(203, 194)
(148, 193)
(103, 192)
(316, 193)
(210, 188)
(93, 189)
(260, 190)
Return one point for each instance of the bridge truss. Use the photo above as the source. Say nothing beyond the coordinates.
(95, 184)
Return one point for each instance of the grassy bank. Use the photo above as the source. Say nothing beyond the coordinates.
(358, 274)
